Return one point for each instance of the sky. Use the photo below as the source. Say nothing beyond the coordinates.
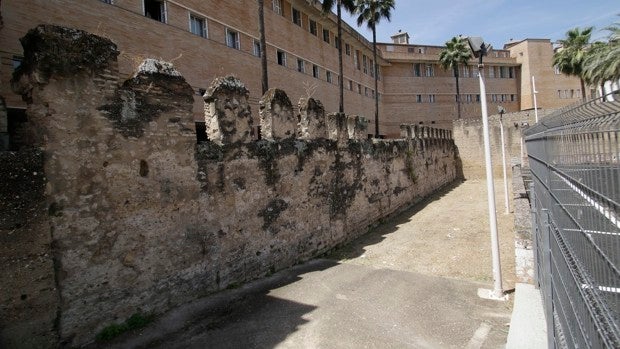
(497, 21)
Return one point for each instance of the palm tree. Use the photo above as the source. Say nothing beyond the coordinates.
(371, 12)
(327, 6)
(263, 46)
(456, 52)
(602, 63)
(569, 58)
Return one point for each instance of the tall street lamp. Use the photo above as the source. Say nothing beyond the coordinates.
(501, 111)
(534, 92)
(480, 49)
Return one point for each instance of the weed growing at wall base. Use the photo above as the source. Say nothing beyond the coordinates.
(136, 321)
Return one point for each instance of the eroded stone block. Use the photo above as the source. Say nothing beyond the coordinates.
(356, 127)
(337, 127)
(276, 115)
(311, 119)
(406, 131)
(228, 118)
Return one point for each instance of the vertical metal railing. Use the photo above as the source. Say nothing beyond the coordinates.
(574, 156)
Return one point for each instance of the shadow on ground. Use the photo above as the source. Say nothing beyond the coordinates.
(390, 224)
(204, 318)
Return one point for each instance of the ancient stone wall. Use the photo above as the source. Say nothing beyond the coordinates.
(143, 218)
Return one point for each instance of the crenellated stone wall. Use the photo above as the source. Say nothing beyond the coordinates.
(142, 217)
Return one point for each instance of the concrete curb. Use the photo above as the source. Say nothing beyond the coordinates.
(527, 326)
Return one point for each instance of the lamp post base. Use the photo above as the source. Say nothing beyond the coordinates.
(495, 295)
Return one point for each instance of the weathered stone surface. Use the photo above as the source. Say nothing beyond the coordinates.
(524, 253)
(4, 126)
(311, 119)
(357, 126)
(155, 89)
(337, 127)
(50, 49)
(227, 113)
(406, 131)
(276, 115)
(28, 294)
(144, 219)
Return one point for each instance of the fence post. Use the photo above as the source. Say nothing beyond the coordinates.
(548, 285)
(535, 234)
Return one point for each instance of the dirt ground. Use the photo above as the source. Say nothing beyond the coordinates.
(446, 235)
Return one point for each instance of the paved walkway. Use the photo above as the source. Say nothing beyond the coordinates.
(411, 283)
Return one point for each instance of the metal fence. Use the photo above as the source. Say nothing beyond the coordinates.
(575, 194)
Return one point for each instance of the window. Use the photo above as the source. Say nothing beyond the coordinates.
(301, 66)
(503, 72)
(350, 85)
(478, 98)
(512, 98)
(556, 70)
(277, 6)
(328, 76)
(296, 16)
(504, 97)
(356, 59)
(421, 50)
(281, 58)
(475, 72)
(366, 91)
(511, 72)
(418, 98)
(431, 98)
(468, 98)
(491, 72)
(372, 93)
(315, 71)
(257, 48)
(429, 70)
(417, 69)
(389, 48)
(465, 71)
(372, 69)
(197, 26)
(494, 97)
(336, 42)
(232, 39)
(359, 88)
(365, 64)
(326, 35)
(347, 49)
(155, 9)
(410, 50)
(312, 26)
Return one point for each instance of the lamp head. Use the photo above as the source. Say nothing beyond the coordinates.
(501, 109)
(478, 47)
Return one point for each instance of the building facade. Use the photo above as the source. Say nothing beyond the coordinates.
(209, 38)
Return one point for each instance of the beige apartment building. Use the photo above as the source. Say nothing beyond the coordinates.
(209, 38)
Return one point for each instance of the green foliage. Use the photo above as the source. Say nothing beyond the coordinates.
(136, 321)
(372, 11)
(569, 58)
(456, 52)
(602, 62)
